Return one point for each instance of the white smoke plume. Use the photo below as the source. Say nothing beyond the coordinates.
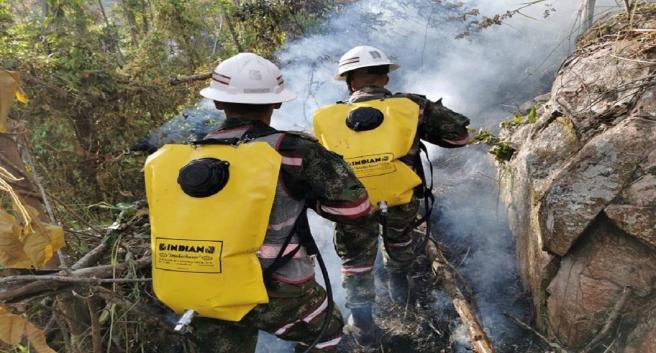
(484, 76)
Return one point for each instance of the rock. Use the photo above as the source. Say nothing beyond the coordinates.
(591, 180)
(591, 278)
(635, 210)
(638, 221)
(597, 88)
(646, 106)
(581, 190)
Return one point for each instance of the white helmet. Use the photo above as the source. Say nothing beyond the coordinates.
(249, 79)
(362, 56)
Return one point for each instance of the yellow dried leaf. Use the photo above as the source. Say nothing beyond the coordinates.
(21, 96)
(8, 86)
(14, 327)
(11, 249)
(34, 248)
(42, 244)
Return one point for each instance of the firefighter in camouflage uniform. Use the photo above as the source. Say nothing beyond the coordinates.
(248, 88)
(365, 70)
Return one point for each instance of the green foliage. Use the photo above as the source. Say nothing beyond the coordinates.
(6, 19)
(532, 116)
(98, 78)
(519, 119)
(516, 120)
(500, 148)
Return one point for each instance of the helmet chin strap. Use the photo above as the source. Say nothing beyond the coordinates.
(348, 84)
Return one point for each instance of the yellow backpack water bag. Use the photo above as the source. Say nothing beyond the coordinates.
(209, 212)
(372, 136)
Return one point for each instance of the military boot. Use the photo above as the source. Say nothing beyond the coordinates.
(399, 288)
(362, 328)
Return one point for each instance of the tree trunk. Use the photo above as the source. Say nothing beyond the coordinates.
(44, 7)
(128, 11)
(144, 16)
(587, 16)
(232, 31)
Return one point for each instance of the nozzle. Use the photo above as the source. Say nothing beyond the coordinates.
(184, 321)
(384, 210)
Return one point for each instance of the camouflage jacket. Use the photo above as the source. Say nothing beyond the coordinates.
(316, 175)
(437, 124)
(310, 176)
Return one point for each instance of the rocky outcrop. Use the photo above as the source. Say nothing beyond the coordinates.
(581, 189)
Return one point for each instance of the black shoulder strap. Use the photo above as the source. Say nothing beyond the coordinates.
(218, 141)
(302, 230)
(256, 131)
(301, 226)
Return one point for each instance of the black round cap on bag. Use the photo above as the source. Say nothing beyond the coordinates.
(364, 119)
(204, 177)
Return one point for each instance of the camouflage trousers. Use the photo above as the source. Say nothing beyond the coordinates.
(294, 313)
(357, 246)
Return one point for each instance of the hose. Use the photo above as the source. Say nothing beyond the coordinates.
(331, 303)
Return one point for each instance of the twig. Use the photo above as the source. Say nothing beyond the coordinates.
(75, 215)
(430, 324)
(610, 322)
(525, 326)
(36, 180)
(633, 60)
(610, 346)
(464, 258)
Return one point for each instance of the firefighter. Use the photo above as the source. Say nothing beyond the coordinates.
(379, 133)
(292, 305)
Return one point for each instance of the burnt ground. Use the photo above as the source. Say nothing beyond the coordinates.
(428, 323)
(422, 325)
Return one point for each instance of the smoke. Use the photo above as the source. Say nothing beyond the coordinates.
(192, 124)
(485, 76)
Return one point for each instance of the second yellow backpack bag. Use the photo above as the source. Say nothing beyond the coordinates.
(372, 136)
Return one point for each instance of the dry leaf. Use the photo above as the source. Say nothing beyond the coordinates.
(32, 248)
(11, 249)
(21, 96)
(14, 327)
(8, 86)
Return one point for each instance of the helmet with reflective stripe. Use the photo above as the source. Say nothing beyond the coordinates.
(360, 57)
(248, 79)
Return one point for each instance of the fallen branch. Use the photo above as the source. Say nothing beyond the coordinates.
(36, 287)
(613, 317)
(527, 327)
(184, 79)
(96, 253)
(69, 279)
(92, 256)
(443, 269)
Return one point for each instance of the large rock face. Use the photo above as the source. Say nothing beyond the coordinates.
(581, 190)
